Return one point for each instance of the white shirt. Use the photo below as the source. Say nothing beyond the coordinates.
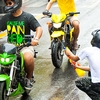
(93, 56)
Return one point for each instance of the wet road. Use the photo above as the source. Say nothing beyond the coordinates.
(58, 84)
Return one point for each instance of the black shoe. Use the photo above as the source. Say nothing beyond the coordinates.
(29, 84)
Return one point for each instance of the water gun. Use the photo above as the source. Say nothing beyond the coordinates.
(79, 72)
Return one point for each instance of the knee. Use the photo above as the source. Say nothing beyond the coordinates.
(28, 56)
(75, 24)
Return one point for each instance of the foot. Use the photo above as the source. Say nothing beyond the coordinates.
(75, 46)
(29, 84)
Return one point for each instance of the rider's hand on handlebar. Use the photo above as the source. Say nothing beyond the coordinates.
(45, 12)
(35, 42)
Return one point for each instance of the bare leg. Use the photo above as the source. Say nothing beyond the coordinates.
(29, 64)
(49, 29)
(75, 24)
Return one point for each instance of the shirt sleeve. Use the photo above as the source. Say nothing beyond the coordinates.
(82, 55)
(3, 23)
(33, 23)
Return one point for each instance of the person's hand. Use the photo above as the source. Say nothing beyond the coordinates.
(45, 12)
(75, 64)
(35, 42)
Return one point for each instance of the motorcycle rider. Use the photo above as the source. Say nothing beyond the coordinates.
(16, 22)
(91, 84)
(65, 7)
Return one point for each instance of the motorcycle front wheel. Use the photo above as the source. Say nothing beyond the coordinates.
(3, 91)
(56, 53)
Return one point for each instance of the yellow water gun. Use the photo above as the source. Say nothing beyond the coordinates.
(79, 72)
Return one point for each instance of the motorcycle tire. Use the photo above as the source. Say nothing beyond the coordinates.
(3, 91)
(56, 50)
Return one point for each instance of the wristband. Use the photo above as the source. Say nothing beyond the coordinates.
(36, 38)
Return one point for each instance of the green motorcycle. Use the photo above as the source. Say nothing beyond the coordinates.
(12, 74)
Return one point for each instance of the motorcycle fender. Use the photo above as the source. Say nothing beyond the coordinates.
(5, 78)
(57, 34)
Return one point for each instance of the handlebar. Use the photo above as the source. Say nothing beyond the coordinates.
(29, 36)
(49, 14)
(23, 45)
(72, 13)
(11, 48)
(28, 43)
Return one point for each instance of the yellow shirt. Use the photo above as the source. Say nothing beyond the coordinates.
(66, 6)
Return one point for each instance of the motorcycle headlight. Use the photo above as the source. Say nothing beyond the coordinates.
(5, 59)
(2, 59)
(57, 25)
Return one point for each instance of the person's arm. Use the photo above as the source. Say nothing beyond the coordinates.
(38, 32)
(38, 35)
(71, 55)
(76, 58)
(86, 68)
(50, 3)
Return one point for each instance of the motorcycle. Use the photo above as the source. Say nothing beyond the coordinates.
(12, 74)
(60, 30)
